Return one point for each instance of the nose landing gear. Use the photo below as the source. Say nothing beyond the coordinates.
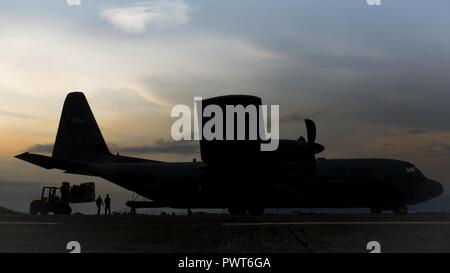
(402, 209)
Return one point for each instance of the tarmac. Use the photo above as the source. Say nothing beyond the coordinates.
(217, 233)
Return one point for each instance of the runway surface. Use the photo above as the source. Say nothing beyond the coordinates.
(227, 234)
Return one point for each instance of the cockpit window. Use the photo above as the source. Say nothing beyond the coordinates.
(412, 170)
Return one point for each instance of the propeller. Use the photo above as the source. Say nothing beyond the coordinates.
(311, 137)
(310, 130)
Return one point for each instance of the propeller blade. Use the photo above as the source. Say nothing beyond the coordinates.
(310, 130)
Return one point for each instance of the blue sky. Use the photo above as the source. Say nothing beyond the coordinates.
(374, 78)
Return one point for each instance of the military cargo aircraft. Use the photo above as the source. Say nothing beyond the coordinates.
(235, 174)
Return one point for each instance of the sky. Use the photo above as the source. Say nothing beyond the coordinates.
(374, 78)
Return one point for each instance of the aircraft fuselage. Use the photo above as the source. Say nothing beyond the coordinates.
(339, 183)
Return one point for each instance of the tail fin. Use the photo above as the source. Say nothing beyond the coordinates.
(78, 143)
(78, 136)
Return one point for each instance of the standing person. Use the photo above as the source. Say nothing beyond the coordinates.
(107, 205)
(99, 203)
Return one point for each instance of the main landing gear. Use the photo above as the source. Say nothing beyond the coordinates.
(244, 211)
(400, 209)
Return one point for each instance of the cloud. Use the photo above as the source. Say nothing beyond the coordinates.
(41, 148)
(297, 117)
(15, 115)
(437, 149)
(155, 15)
(408, 132)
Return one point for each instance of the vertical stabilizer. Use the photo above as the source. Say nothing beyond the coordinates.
(78, 136)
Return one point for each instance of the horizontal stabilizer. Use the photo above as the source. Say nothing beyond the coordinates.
(55, 163)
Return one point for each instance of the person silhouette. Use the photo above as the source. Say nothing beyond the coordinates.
(107, 205)
(99, 203)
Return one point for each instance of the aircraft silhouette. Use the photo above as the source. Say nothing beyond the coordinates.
(235, 174)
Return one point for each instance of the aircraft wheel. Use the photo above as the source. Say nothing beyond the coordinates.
(400, 210)
(375, 210)
(237, 211)
(256, 211)
(64, 211)
(34, 210)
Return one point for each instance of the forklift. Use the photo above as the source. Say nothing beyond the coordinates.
(57, 200)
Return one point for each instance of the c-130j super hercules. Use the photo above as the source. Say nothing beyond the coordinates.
(235, 174)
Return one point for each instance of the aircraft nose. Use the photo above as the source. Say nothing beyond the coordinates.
(435, 187)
